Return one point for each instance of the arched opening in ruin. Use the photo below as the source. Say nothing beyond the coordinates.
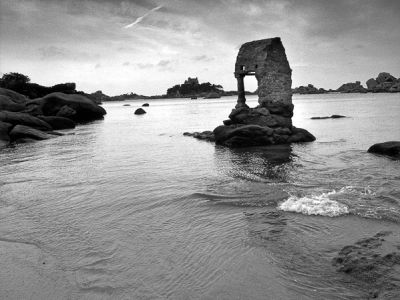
(250, 84)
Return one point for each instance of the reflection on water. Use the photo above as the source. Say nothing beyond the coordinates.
(129, 208)
(268, 164)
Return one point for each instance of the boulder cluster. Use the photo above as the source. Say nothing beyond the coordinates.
(260, 126)
(352, 87)
(384, 83)
(23, 120)
(309, 89)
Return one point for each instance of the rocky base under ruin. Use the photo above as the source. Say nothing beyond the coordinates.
(259, 126)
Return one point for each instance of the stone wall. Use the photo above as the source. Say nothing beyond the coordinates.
(266, 59)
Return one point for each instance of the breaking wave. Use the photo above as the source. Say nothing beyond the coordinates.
(315, 205)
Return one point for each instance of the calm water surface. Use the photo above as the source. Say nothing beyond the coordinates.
(129, 208)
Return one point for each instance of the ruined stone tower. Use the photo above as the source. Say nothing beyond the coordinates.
(270, 122)
(266, 60)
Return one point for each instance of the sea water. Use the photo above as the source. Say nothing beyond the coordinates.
(129, 208)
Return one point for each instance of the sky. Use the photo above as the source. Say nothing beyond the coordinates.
(147, 46)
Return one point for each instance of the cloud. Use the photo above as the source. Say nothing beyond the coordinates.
(62, 53)
(97, 66)
(163, 63)
(144, 65)
(140, 19)
(52, 52)
(203, 58)
(125, 64)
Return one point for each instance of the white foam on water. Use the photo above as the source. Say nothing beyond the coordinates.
(315, 205)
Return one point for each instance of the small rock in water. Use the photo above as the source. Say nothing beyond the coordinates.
(126, 105)
(326, 117)
(391, 149)
(140, 111)
(205, 135)
(145, 104)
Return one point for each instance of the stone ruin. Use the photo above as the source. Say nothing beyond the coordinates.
(270, 122)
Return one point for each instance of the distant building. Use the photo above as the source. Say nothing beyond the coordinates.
(192, 81)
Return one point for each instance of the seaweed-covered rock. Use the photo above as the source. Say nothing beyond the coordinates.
(391, 149)
(18, 118)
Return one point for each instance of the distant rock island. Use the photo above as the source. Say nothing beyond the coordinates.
(192, 88)
(309, 89)
(384, 83)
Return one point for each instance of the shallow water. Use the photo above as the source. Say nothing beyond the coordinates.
(129, 208)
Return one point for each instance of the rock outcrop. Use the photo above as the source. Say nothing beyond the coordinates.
(375, 261)
(205, 135)
(18, 118)
(58, 123)
(11, 101)
(20, 133)
(5, 128)
(391, 149)
(75, 107)
(384, 83)
(309, 89)
(21, 84)
(212, 95)
(192, 88)
(270, 122)
(36, 119)
(352, 87)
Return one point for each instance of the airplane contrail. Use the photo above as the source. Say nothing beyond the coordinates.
(140, 19)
